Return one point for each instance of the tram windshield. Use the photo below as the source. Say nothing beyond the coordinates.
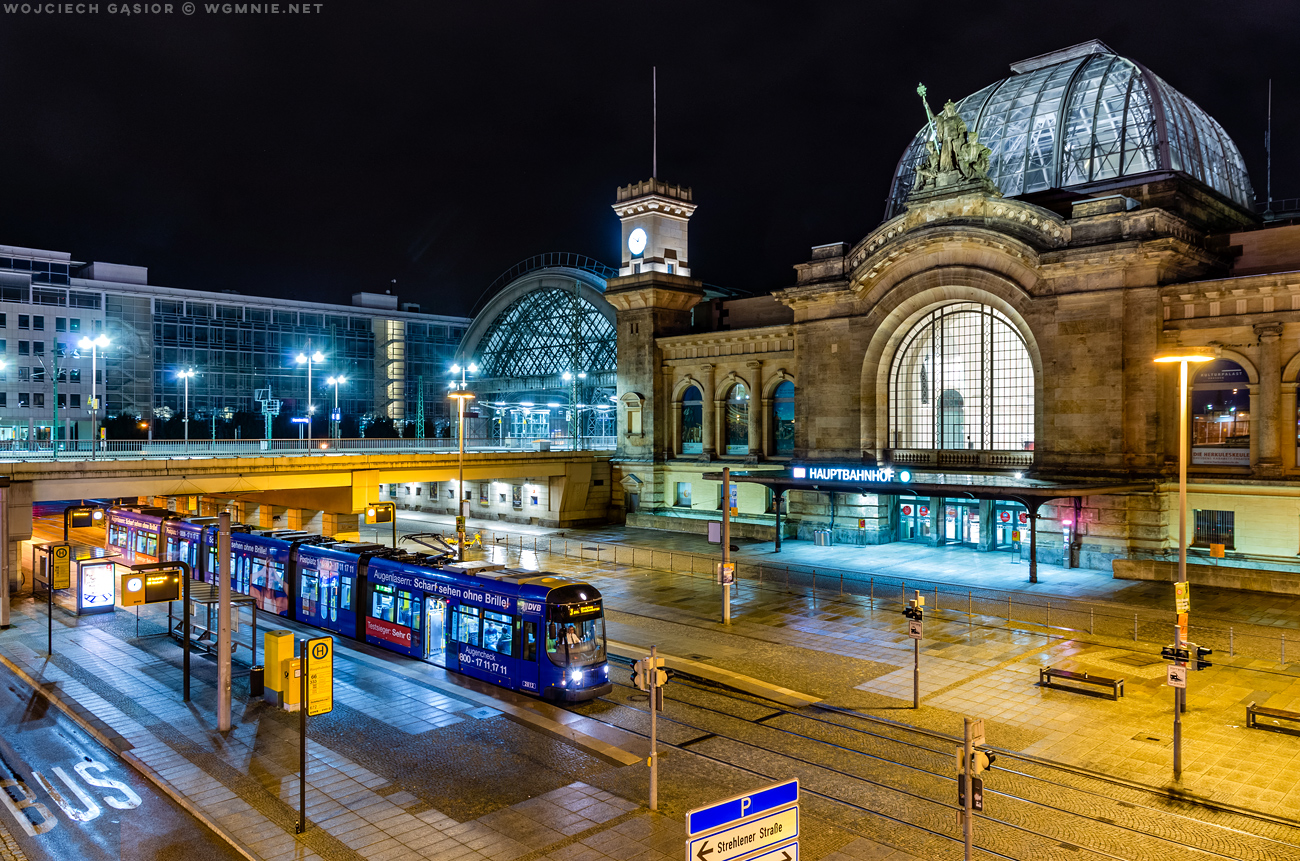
(575, 638)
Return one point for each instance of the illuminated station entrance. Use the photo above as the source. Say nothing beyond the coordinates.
(976, 512)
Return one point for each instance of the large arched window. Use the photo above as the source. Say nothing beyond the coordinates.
(1220, 409)
(962, 379)
(783, 420)
(692, 421)
(737, 424)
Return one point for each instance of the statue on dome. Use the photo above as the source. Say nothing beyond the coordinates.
(954, 159)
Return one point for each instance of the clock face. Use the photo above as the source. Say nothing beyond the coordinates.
(134, 584)
(636, 241)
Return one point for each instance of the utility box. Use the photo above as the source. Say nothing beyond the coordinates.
(278, 647)
(291, 684)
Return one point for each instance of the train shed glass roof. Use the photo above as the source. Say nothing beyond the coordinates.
(1084, 115)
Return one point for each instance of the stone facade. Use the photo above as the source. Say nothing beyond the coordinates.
(1094, 289)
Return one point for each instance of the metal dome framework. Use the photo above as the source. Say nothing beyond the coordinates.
(545, 333)
(1085, 115)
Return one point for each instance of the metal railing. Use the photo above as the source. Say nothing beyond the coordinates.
(163, 449)
(949, 601)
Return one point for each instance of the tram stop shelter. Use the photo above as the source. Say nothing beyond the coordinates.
(204, 616)
(901, 481)
(91, 572)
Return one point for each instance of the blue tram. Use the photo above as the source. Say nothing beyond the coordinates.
(529, 631)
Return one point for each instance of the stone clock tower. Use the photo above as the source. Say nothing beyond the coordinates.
(653, 296)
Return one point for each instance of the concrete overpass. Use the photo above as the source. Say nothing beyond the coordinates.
(324, 493)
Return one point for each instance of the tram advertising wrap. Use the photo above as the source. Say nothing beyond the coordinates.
(525, 630)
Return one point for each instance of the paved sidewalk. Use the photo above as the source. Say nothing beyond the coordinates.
(842, 650)
(409, 765)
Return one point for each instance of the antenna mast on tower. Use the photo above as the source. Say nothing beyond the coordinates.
(1268, 152)
(654, 123)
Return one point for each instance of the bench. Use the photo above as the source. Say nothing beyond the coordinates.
(1253, 711)
(1046, 674)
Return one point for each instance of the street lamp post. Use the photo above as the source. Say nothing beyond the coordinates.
(1182, 357)
(309, 360)
(186, 375)
(335, 416)
(459, 392)
(93, 344)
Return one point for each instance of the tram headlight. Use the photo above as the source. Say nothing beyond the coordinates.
(576, 676)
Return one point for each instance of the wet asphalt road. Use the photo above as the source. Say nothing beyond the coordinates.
(64, 796)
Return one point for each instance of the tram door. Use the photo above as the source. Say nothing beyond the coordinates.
(435, 628)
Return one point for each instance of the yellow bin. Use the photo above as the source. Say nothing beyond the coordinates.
(291, 681)
(278, 647)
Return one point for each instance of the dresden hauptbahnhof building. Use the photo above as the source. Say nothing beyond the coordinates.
(981, 369)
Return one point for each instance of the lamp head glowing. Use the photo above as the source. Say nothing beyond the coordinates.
(85, 343)
(566, 376)
(473, 368)
(455, 369)
(317, 357)
(302, 357)
(102, 341)
(185, 374)
(1187, 354)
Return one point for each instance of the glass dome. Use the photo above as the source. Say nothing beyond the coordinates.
(1084, 115)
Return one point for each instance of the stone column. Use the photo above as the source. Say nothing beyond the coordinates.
(676, 447)
(765, 425)
(709, 430)
(757, 445)
(1253, 426)
(345, 527)
(1287, 419)
(936, 522)
(1270, 390)
(988, 526)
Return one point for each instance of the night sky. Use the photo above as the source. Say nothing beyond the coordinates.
(437, 144)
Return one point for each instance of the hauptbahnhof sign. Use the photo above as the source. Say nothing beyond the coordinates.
(853, 474)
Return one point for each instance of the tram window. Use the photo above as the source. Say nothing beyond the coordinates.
(151, 544)
(578, 643)
(497, 634)
(530, 641)
(276, 580)
(404, 609)
(383, 603)
(259, 573)
(345, 597)
(467, 625)
(171, 548)
(116, 535)
(311, 587)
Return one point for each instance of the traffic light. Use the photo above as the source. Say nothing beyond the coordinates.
(641, 674)
(1200, 652)
(981, 761)
(915, 608)
(1176, 653)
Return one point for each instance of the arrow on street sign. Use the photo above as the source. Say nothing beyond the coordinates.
(740, 839)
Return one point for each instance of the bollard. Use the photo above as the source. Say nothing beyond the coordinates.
(1284, 647)
(814, 572)
(936, 597)
(1230, 644)
(1135, 627)
(1089, 620)
(841, 584)
(902, 588)
(787, 578)
(1049, 614)
(1008, 608)
(873, 594)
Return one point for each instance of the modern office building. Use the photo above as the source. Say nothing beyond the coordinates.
(237, 344)
(979, 370)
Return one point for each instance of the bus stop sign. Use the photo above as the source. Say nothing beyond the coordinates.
(61, 566)
(320, 676)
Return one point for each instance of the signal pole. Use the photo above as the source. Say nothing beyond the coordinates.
(223, 622)
(726, 544)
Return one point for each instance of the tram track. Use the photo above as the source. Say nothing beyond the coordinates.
(1038, 820)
